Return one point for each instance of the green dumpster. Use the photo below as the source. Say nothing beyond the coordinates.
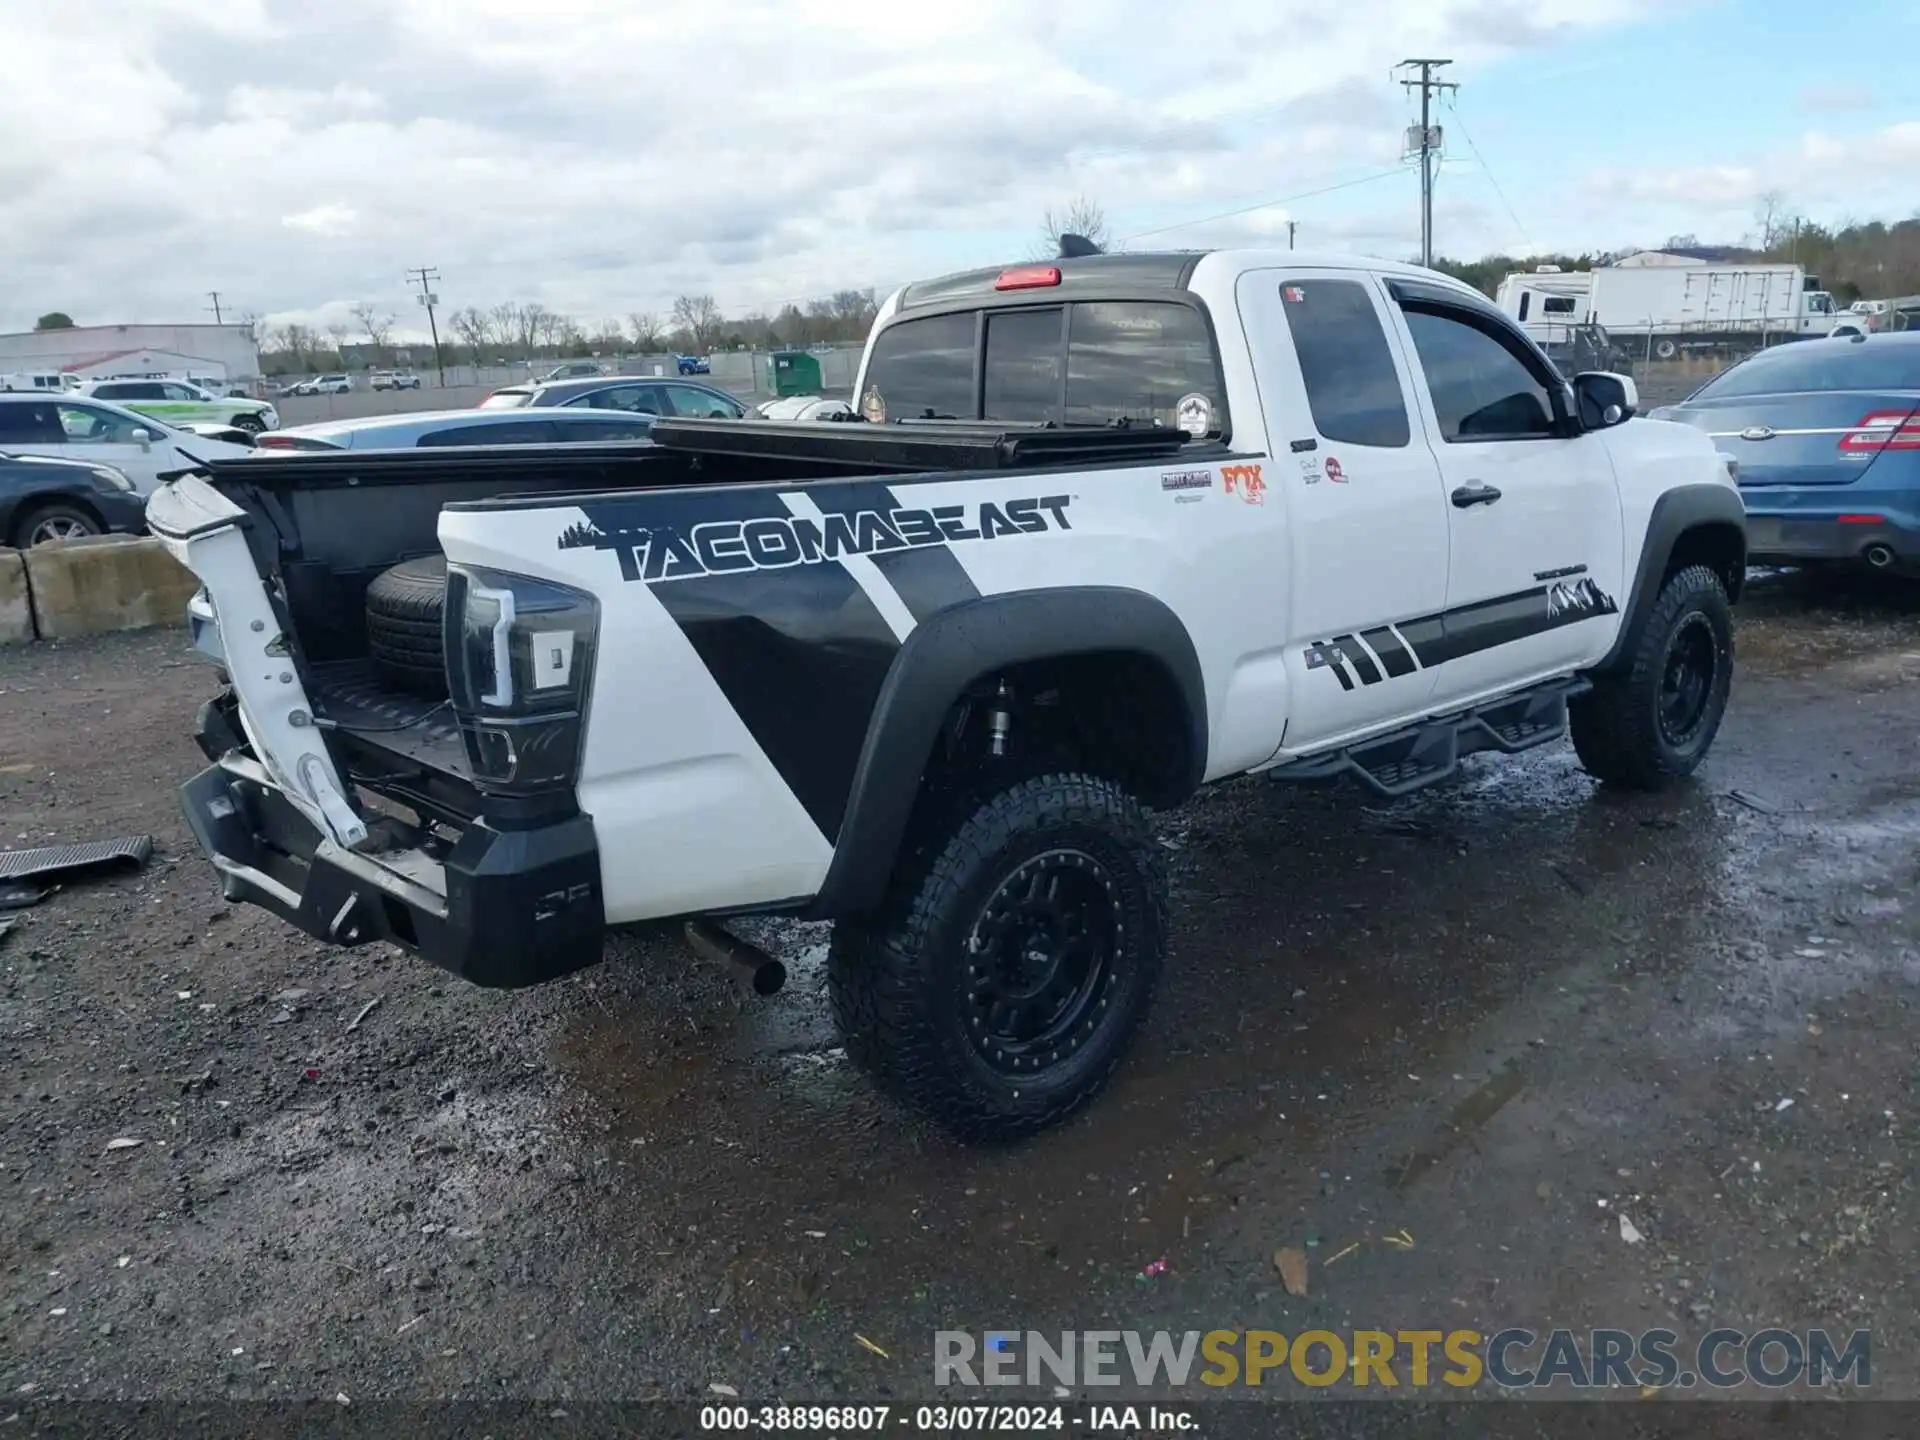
(793, 372)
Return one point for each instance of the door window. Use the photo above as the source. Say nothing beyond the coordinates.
(1481, 389)
(177, 392)
(697, 404)
(1352, 386)
(577, 428)
(84, 425)
(516, 432)
(36, 422)
(641, 399)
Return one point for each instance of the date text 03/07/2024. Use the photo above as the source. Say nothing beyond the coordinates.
(944, 1419)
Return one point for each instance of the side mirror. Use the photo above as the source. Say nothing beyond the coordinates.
(1605, 399)
(142, 438)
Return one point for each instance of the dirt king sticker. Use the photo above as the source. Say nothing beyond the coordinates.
(660, 553)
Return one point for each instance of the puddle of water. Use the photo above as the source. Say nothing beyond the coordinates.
(1319, 953)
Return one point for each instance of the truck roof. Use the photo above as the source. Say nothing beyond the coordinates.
(1137, 271)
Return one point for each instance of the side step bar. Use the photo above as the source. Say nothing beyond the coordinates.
(1412, 759)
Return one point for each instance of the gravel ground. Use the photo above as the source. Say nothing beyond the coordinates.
(1492, 1019)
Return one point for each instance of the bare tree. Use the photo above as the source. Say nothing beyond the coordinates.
(300, 343)
(474, 328)
(794, 327)
(646, 328)
(507, 323)
(1770, 213)
(338, 334)
(550, 327)
(699, 316)
(375, 323)
(248, 323)
(1082, 217)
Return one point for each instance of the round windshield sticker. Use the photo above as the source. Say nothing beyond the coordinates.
(874, 406)
(1194, 414)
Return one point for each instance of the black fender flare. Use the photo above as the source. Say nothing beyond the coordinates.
(937, 663)
(1684, 509)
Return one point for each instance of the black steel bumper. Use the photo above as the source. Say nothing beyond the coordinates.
(503, 908)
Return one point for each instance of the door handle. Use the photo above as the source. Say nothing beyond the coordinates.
(1467, 496)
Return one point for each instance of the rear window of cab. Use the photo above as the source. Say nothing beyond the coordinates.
(1090, 362)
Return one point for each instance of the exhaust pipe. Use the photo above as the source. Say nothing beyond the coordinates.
(1878, 556)
(746, 962)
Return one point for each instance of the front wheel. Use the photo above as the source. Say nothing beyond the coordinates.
(1002, 979)
(1652, 719)
(250, 423)
(46, 523)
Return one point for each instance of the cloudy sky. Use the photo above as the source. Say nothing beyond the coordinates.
(602, 156)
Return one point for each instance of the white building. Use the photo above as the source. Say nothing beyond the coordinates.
(217, 352)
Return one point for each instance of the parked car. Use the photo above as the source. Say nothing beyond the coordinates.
(393, 380)
(456, 427)
(1827, 437)
(43, 499)
(83, 428)
(572, 370)
(923, 680)
(693, 364)
(623, 392)
(178, 400)
(337, 383)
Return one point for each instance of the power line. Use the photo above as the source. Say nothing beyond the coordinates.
(214, 295)
(1428, 88)
(1474, 149)
(1261, 205)
(424, 275)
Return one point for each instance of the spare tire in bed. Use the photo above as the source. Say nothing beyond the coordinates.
(404, 609)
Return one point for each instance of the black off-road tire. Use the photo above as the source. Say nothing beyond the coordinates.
(1618, 729)
(903, 981)
(405, 610)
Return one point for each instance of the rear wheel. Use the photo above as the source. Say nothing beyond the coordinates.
(1002, 979)
(1652, 720)
(405, 606)
(54, 521)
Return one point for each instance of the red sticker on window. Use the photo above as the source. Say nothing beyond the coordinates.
(1293, 293)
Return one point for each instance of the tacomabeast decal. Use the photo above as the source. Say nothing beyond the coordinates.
(658, 553)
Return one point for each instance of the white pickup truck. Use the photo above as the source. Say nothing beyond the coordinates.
(1108, 529)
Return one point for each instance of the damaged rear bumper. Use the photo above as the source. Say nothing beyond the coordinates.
(501, 908)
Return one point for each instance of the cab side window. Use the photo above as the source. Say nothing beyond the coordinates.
(1482, 390)
(1352, 387)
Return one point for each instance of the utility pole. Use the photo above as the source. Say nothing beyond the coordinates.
(1290, 229)
(214, 295)
(423, 276)
(1428, 88)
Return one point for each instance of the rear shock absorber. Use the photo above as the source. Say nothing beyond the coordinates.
(1000, 721)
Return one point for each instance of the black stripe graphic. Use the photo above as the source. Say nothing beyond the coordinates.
(1427, 636)
(1322, 655)
(800, 653)
(1357, 657)
(1469, 629)
(927, 580)
(1392, 653)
